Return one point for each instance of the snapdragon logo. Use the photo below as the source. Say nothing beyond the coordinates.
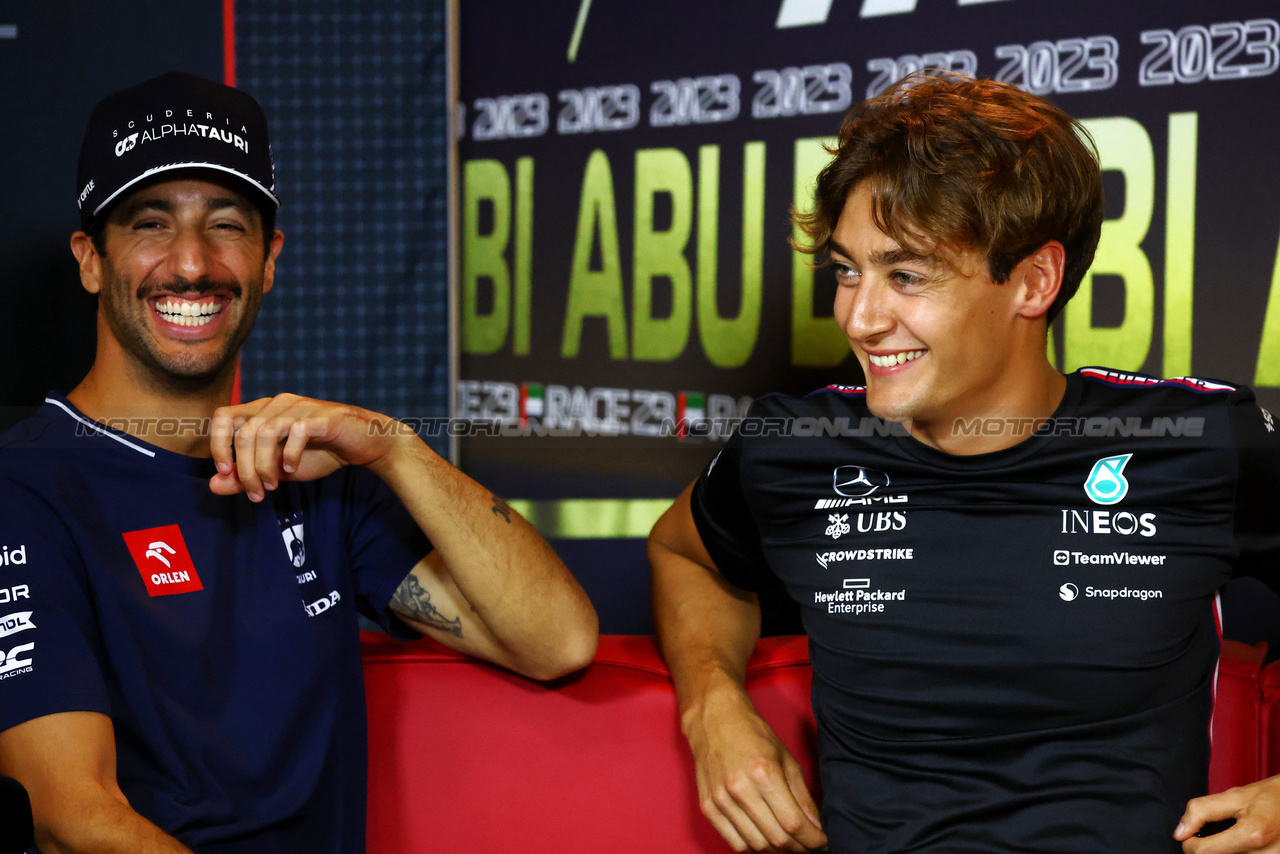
(1068, 592)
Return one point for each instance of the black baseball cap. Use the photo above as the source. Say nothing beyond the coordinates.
(175, 121)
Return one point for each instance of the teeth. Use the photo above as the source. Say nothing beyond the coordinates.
(186, 312)
(896, 359)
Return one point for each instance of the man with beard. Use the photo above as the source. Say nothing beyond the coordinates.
(180, 665)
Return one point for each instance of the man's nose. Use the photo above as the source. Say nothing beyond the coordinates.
(190, 255)
(869, 314)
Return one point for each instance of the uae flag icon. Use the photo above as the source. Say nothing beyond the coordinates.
(691, 408)
(531, 405)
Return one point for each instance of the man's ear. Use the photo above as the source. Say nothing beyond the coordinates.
(89, 260)
(269, 270)
(1039, 277)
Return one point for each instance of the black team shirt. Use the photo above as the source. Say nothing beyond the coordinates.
(1014, 651)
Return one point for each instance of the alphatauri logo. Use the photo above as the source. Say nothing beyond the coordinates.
(292, 531)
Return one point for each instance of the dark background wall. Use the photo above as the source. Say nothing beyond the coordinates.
(356, 97)
(57, 59)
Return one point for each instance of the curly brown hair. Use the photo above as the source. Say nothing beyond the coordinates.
(956, 163)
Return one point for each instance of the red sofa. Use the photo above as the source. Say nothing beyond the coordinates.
(464, 756)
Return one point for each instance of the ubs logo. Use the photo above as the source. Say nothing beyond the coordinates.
(857, 481)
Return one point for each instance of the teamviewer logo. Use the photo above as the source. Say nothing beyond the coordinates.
(1061, 557)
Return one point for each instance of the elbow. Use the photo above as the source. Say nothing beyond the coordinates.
(574, 650)
(46, 841)
(583, 649)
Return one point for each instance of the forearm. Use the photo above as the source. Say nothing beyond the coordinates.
(750, 787)
(513, 582)
(706, 631)
(67, 763)
(93, 821)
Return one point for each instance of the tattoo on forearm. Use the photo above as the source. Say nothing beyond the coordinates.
(414, 600)
(501, 508)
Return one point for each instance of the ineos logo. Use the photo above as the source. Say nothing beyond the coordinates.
(856, 481)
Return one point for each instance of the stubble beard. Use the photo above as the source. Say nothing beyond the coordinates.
(127, 313)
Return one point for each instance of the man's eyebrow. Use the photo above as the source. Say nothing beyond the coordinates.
(889, 257)
(899, 256)
(834, 245)
(145, 204)
(228, 202)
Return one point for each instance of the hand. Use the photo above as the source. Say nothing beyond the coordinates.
(1256, 809)
(287, 437)
(750, 787)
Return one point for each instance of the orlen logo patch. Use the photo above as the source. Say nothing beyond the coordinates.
(162, 558)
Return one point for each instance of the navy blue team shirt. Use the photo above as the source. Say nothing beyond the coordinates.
(1012, 651)
(219, 635)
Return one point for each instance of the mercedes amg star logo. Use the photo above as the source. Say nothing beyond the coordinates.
(857, 481)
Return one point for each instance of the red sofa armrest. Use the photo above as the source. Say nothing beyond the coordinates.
(466, 756)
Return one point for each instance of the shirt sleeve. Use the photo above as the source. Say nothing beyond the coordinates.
(1257, 501)
(384, 543)
(725, 522)
(50, 643)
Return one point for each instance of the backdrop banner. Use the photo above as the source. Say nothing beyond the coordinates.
(627, 173)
